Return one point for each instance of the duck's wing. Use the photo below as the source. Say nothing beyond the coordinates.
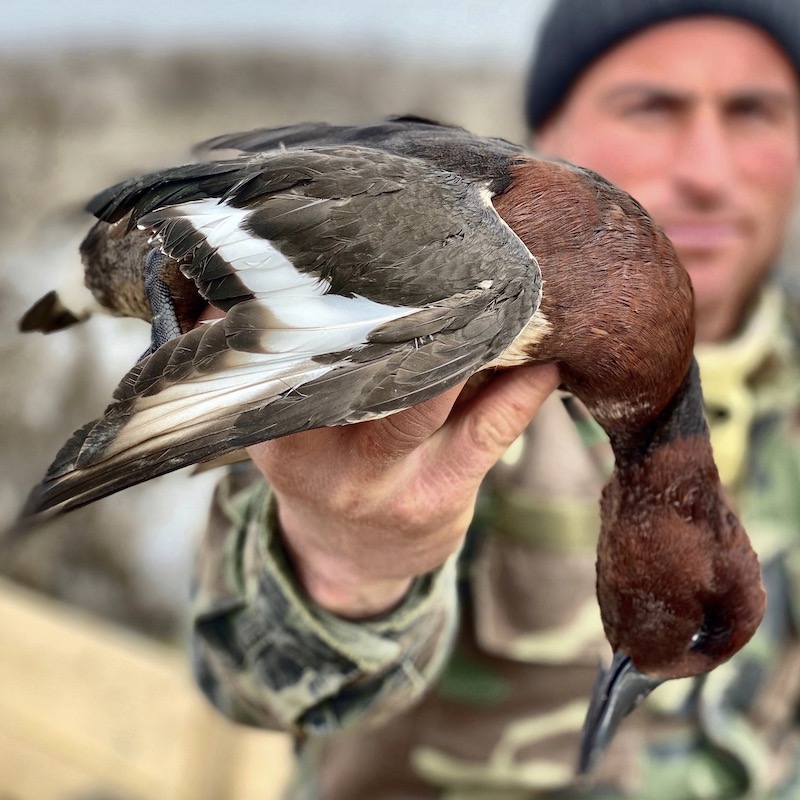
(388, 133)
(262, 140)
(356, 282)
(447, 147)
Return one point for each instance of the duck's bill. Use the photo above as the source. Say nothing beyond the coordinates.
(618, 690)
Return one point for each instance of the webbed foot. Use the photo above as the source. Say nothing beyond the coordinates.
(164, 325)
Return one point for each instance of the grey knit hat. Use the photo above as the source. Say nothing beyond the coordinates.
(576, 32)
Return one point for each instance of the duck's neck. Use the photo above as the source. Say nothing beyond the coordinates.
(668, 466)
(682, 421)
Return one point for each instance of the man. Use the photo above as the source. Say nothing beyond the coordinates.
(337, 599)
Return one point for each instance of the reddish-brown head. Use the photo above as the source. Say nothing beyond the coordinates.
(678, 582)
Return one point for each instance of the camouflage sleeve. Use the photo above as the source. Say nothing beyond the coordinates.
(267, 656)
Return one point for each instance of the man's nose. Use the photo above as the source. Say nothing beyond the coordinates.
(703, 160)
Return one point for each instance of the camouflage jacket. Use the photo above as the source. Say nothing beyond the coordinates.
(476, 686)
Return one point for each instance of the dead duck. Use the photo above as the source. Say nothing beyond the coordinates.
(365, 269)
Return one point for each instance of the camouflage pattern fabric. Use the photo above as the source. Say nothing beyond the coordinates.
(476, 687)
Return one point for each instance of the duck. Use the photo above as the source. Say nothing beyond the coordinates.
(363, 269)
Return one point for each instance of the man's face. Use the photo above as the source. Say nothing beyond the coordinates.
(698, 119)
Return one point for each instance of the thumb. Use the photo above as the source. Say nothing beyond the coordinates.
(483, 429)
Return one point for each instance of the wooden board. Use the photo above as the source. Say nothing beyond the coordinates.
(88, 709)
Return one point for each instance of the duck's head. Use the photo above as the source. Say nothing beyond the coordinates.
(678, 582)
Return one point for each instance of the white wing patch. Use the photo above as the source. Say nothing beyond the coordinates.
(316, 325)
(262, 268)
(296, 314)
(271, 340)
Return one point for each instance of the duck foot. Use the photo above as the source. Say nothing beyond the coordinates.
(164, 324)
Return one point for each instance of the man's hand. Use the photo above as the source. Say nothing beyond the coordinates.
(365, 508)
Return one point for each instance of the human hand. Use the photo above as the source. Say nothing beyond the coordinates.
(365, 508)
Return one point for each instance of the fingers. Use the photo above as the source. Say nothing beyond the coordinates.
(479, 432)
(360, 450)
(386, 441)
(471, 437)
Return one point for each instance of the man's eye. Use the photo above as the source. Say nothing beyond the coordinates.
(649, 107)
(754, 109)
(749, 108)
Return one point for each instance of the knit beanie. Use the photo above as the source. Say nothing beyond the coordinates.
(575, 32)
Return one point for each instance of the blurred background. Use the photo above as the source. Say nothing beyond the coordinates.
(92, 93)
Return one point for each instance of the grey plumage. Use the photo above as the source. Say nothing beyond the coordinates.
(357, 281)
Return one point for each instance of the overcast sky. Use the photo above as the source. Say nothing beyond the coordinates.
(421, 29)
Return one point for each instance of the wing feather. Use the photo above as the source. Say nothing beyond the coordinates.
(361, 282)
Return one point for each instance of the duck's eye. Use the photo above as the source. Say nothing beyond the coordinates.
(712, 638)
